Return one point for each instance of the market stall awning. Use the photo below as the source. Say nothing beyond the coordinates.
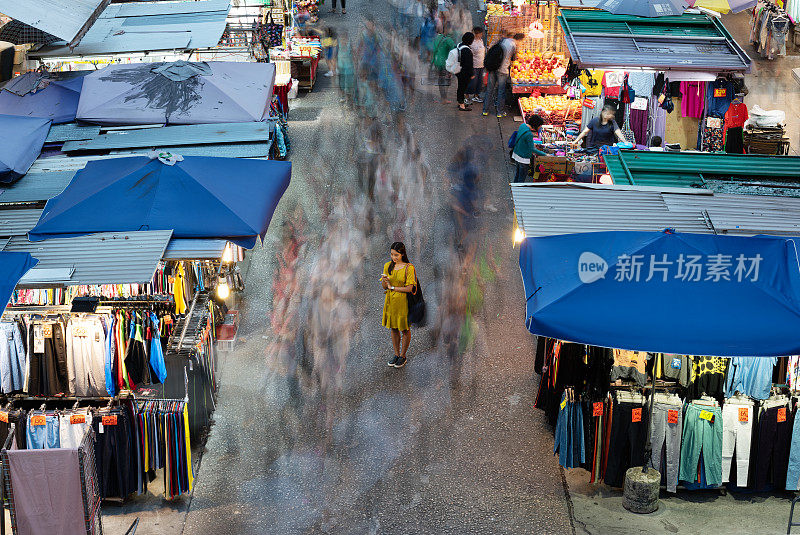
(566, 208)
(199, 197)
(644, 8)
(66, 19)
(38, 95)
(20, 150)
(662, 292)
(690, 42)
(751, 173)
(177, 93)
(103, 258)
(12, 267)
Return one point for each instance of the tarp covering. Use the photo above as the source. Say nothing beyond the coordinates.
(36, 95)
(20, 150)
(12, 267)
(644, 8)
(177, 93)
(199, 197)
(688, 294)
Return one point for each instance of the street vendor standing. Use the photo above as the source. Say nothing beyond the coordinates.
(604, 130)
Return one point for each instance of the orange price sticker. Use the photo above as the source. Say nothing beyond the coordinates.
(588, 103)
(4, 417)
(110, 419)
(782, 414)
(597, 408)
(77, 419)
(719, 93)
(38, 419)
(744, 416)
(672, 416)
(636, 415)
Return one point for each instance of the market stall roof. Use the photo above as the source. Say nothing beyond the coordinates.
(198, 197)
(690, 42)
(753, 174)
(36, 188)
(104, 258)
(147, 27)
(703, 295)
(66, 19)
(177, 93)
(644, 8)
(20, 150)
(12, 267)
(41, 95)
(724, 6)
(188, 249)
(566, 208)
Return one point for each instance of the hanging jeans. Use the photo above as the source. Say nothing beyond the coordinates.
(667, 434)
(701, 436)
(48, 370)
(793, 472)
(774, 440)
(737, 428)
(569, 434)
(626, 441)
(43, 436)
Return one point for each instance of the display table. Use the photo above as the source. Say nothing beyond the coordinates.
(282, 92)
(304, 70)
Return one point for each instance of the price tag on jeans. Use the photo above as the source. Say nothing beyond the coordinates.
(38, 339)
(4, 417)
(38, 419)
(782, 414)
(744, 414)
(110, 419)
(588, 103)
(563, 404)
(636, 415)
(672, 416)
(707, 415)
(597, 408)
(77, 419)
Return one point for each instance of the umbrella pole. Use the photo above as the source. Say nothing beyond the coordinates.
(648, 446)
(641, 487)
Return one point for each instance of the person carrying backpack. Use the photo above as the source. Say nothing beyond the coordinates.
(442, 46)
(460, 64)
(497, 62)
(523, 148)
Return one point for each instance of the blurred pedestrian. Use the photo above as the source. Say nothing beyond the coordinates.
(442, 46)
(523, 147)
(330, 47)
(464, 76)
(478, 53)
(345, 68)
(498, 79)
(398, 279)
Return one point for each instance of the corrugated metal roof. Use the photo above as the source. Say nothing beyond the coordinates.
(71, 131)
(689, 42)
(227, 150)
(125, 28)
(35, 187)
(3, 242)
(105, 258)
(752, 174)
(62, 18)
(194, 134)
(17, 222)
(578, 3)
(191, 249)
(548, 209)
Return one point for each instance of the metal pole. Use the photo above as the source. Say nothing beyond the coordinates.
(648, 448)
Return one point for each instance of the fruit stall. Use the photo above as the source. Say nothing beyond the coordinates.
(531, 72)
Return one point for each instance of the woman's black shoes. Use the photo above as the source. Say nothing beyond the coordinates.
(394, 360)
(401, 361)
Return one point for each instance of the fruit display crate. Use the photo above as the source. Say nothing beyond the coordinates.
(570, 114)
(527, 88)
(543, 12)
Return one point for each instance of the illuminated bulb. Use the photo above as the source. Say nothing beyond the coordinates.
(227, 254)
(606, 179)
(223, 291)
(518, 235)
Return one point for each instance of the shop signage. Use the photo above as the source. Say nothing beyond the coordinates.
(664, 268)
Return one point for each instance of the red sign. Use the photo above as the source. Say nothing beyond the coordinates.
(597, 408)
(743, 414)
(782, 414)
(77, 419)
(721, 92)
(636, 415)
(110, 420)
(672, 416)
(588, 103)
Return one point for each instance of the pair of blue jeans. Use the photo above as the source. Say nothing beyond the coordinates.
(521, 175)
(569, 443)
(496, 87)
(40, 437)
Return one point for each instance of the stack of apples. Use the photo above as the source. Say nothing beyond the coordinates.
(531, 67)
(555, 107)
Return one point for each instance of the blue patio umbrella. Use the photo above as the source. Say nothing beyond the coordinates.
(665, 292)
(644, 8)
(198, 197)
(37, 95)
(12, 267)
(22, 144)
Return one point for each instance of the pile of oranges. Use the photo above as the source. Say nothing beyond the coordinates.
(530, 67)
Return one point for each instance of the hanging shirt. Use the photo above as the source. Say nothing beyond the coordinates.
(673, 367)
(593, 82)
(180, 302)
(612, 82)
(630, 365)
(693, 99)
(708, 376)
(736, 115)
(752, 376)
(719, 95)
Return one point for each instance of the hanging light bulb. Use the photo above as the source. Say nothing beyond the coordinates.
(223, 290)
(519, 236)
(227, 254)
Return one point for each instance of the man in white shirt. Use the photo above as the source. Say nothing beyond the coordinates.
(498, 80)
(475, 87)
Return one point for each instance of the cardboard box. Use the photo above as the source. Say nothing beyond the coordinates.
(556, 165)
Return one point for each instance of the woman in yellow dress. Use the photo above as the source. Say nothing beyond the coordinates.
(397, 280)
